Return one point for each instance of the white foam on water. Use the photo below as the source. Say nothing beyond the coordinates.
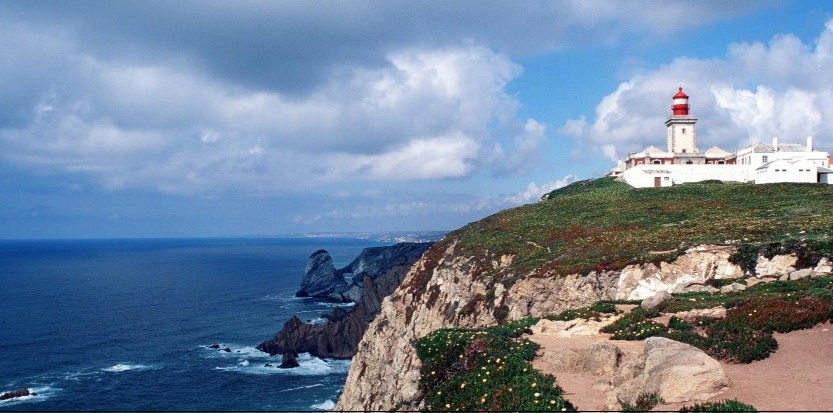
(308, 366)
(118, 368)
(325, 304)
(301, 388)
(237, 351)
(325, 405)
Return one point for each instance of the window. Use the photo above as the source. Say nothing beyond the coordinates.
(656, 162)
(683, 150)
(666, 178)
(765, 158)
(683, 131)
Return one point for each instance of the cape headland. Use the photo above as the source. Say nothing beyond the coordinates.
(591, 247)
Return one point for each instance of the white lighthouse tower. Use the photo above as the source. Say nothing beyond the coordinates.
(680, 126)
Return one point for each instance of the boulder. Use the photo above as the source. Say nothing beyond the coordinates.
(320, 277)
(824, 266)
(732, 288)
(655, 300)
(289, 360)
(676, 372)
(803, 273)
(777, 266)
(20, 392)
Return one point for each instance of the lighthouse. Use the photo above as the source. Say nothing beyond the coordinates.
(680, 126)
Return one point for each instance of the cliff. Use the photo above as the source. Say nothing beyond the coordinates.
(590, 241)
(377, 271)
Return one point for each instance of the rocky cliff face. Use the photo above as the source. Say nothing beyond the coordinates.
(443, 290)
(376, 272)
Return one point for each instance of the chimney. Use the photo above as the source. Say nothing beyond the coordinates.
(775, 144)
(809, 144)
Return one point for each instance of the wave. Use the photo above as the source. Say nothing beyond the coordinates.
(325, 405)
(235, 351)
(301, 388)
(118, 368)
(308, 366)
(40, 394)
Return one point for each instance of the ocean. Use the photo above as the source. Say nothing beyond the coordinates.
(129, 324)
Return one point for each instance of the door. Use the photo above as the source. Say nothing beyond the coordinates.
(657, 181)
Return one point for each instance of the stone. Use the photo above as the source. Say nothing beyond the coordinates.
(676, 372)
(601, 358)
(824, 266)
(715, 312)
(655, 300)
(732, 288)
(803, 273)
(289, 360)
(20, 392)
(777, 266)
(227, 350)
(214, 346)
(696, 266)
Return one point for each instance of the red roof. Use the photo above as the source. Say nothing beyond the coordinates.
(680, 94)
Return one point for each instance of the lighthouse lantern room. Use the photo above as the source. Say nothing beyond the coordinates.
(680, 126)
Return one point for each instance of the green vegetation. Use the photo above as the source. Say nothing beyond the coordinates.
(602, 224)
(485, 370)
(745, 335)
(724, 406)
(644, 403)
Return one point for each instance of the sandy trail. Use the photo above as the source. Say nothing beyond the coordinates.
(797, 377)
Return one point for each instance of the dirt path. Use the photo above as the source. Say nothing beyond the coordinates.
(797, 377)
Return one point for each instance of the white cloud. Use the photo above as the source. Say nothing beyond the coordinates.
(757, 91)
(427, 115)
(534, 192)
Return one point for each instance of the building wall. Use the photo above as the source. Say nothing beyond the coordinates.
(783, 171)
(642, 176)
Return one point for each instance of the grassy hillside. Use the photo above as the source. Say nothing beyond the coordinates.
(602, 224)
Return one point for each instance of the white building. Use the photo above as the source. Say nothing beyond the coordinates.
(683, 162)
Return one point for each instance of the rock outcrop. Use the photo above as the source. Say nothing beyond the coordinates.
(320, 277)
(21, 392)
(443, 290)
(376, 274)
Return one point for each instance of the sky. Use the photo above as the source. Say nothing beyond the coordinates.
(258, 118)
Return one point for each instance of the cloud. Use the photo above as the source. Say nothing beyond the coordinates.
(534, 192)
(755, 92)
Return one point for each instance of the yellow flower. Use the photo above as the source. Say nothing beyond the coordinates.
(463, 386)
(534, 384)
(552, 401)
(447, 406)
(484, 380)
(537, 394)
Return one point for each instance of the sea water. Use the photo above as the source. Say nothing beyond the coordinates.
(130, 324)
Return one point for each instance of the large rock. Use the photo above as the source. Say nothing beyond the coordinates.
(572, 328)
(676, 372)
(20, 392)
(320, 277)
(655, 300)
(778, 265)
(698, 264)
(340, 335)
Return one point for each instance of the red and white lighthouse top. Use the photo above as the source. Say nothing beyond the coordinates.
(680, 103)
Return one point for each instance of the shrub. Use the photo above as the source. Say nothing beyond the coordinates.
(777, 314)
(643, 403)
(676, 324)
(485, 370)
(724, 406)
(734, 339)
(635, 325)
